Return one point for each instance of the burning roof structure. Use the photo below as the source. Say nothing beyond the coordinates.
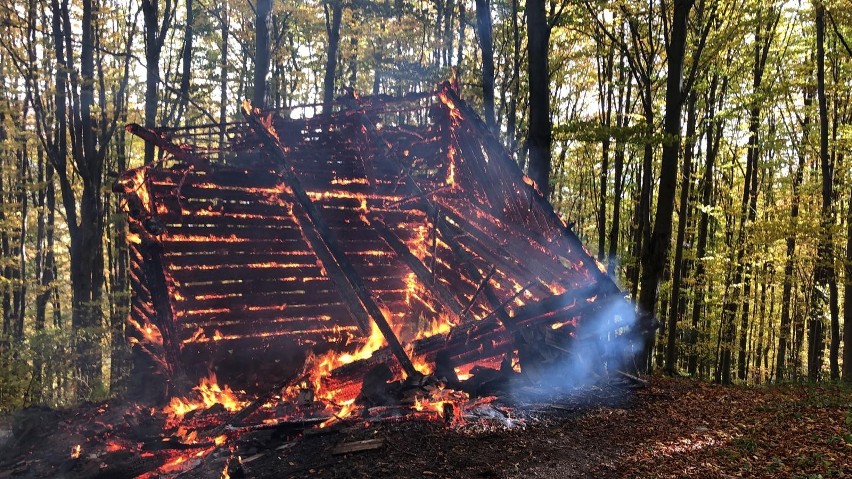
(387, 230)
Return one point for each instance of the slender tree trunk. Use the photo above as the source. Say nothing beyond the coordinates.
(790, 262)
(655, 254)
(186, 62)
(261, 55)
(539, 135)
(150, 14)
(605, 62)
(514, 87)
(460, 51)
(847, 297)
(683, 211)
(713, 135)
(486, 44)
(223, 78)
(333, 30)
(622, 120)
(824, 277)
(758, 349)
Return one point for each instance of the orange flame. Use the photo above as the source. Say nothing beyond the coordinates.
(210, 394)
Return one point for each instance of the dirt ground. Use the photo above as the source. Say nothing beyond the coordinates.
(675, 427)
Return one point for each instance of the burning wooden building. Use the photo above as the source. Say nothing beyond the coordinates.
(388, 230)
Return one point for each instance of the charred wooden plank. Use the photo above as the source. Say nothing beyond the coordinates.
(175, 246)
(239, 258)
(292, 299)
(226, 273)
(304, 285)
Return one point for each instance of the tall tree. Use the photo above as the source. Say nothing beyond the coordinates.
(486, 44)
(90, 135)
(655, 253)
(332, 26)
(539, 136)
(261, 56)
(824, 277)
(155, 36)
(790, 259)
(765, 25)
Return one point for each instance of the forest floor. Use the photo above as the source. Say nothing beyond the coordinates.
(674, 427)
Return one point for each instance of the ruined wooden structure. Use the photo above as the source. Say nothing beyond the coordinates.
(288, 232)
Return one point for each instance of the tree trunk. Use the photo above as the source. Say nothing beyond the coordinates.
(847, 297)
(261, 55)
(622, 121)
(186, 62)
(514, 87)
(605, 62)
(333, 30)
(713, 137)
(655, 253)
(150, 13)
(787, 291)
(683, 211)
(539, 135)
(824, 277)
(223, 79)
(460, 51)
(486, 44)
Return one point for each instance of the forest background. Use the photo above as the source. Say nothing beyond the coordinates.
(699, 148)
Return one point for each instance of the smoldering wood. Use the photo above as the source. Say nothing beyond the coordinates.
(298, 232)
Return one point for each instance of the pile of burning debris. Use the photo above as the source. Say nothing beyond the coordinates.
(361, 262)
(217, 432)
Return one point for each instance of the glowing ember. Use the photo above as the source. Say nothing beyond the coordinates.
(451, 168)
(149, 332)
(557, 288)
(419, 245)
(455, 113)
(75, 451)
(410, 287)
(349, 181)
(440, 325)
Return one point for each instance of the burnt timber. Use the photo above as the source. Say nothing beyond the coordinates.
(302, 232)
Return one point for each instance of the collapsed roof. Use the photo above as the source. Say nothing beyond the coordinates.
(287, 232)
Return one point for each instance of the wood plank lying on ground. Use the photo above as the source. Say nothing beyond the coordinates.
(358, 446)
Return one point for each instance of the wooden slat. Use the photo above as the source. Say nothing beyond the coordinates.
(220, 273)
(235, 221)
(225, 232)
(261, 207)
(239, 258)
(228, 299)
(283, 326)
(172, 246)
(223, 176)
(306, 285)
